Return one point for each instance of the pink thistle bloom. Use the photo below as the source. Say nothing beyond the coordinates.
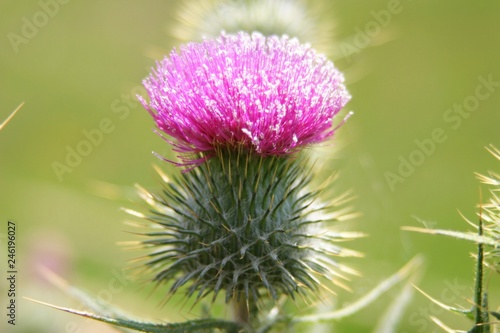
(270, 95)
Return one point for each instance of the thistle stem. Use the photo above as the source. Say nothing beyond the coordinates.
(480, 298)
(240, 310)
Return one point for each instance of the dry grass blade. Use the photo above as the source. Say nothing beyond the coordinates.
(9, 118)
(444, 327)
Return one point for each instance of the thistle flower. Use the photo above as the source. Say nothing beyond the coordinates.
(270, 95)
(242, 220)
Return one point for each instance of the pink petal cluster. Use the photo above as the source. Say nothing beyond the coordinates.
(268, 94)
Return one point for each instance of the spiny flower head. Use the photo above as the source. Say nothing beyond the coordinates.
(245, 226)
(270, 95)
(309, 21)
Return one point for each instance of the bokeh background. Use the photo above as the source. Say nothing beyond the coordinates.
(79, 70)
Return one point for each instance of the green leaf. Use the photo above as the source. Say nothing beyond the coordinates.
(392, 316)
(457, 234)
(188, 326)
(495, 314)
(367, 299)
(469, 313)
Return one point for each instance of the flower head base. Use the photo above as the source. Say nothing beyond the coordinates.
(270, 95)
(229, 227)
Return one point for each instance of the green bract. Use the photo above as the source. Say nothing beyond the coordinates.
(243, 224)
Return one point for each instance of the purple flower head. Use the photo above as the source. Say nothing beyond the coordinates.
(270, 95)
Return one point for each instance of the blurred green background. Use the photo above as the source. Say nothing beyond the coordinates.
(80, 69)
